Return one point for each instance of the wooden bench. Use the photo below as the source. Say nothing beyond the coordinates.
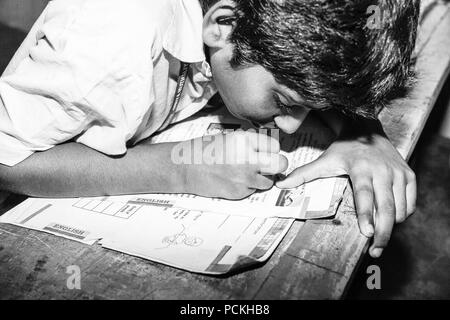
(316, 260)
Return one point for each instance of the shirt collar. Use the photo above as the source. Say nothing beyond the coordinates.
(184, 36)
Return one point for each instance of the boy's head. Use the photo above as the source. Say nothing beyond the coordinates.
(271, 59)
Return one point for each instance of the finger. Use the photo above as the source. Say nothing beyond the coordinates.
(411, 194)
(272, 163)
(363, 193)
(384, 216)
(399, 190)
(320, 168)
(263, 182)
(265, 143)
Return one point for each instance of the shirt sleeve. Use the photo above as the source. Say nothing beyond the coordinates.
(87, 76)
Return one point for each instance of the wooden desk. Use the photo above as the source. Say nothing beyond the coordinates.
(316, 260)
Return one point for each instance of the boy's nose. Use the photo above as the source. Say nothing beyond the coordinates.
(289, 124)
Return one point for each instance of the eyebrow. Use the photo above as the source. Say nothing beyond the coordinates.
(303, 103)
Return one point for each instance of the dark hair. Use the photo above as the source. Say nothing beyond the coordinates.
(206, 4)
(327, 50)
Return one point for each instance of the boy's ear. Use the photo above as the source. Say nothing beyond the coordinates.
(218, 23)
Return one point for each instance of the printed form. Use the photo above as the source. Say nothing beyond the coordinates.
(202, 235)
(202, 242)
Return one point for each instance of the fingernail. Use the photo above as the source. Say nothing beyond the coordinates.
(369, 231)
(280, 184)
(377, 252)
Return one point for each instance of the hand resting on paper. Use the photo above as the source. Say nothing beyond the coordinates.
(383, 184)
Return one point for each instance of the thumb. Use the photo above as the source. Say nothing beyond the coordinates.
(320, 168)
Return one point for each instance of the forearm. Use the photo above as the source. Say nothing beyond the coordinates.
(74, 170)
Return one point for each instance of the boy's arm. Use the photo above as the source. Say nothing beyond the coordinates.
(381, 179)
(73, 170)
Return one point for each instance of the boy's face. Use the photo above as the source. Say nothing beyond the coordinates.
(250, 92)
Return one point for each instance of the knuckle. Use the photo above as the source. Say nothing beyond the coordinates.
(339, 160)
(363, 190)
(411, 176)
(230, 136)
(383, 171)
(364, 212)
(358, 169)
(239, 133)
(363, 163)
(401, 177)
(389, 208)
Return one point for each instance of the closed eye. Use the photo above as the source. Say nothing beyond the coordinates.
(289, 110)
(285, 109)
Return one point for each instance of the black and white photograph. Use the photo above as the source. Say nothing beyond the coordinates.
(209, 151)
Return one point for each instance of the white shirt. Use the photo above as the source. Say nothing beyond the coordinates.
(102, 72)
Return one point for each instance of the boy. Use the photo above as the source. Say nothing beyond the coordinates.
(104, 75)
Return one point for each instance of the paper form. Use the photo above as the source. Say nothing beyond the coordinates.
(202, 242)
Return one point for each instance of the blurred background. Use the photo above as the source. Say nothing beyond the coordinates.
(416, 265)
(20, 14)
